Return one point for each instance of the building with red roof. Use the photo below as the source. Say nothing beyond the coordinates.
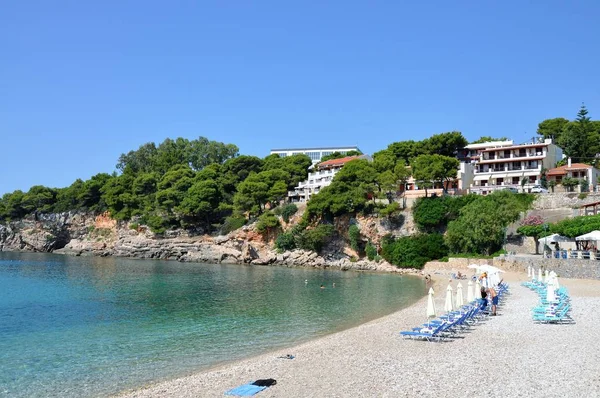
(320, 177)
(579, 171)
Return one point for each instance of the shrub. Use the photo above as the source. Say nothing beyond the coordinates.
(582, 195)
(354, 237)
(285, 241)
(134, 226)
(314, 239)
(481, 225)
(288, 211)
(232, 223)
(390, 210)
(414, 251)
(371, 251)
(156, 224)
(266, 222)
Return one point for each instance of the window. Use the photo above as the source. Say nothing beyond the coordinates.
(282, 155)
(314, 155)
(325, 153)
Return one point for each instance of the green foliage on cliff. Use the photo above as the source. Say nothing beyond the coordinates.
(354, 238)
(480, 226)
(434, 213)
(413, 251)
(194, 184)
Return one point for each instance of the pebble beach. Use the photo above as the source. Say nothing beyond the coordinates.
(504, 356)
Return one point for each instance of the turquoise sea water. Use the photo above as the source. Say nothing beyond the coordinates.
(77, 327)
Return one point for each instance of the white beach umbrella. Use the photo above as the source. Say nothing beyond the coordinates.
(448, 306)
(539, 274)
(477, 289)
(430, 305)
(529, 271)
(550, 295)
(546, 276)
(469, 291)
(459, 296)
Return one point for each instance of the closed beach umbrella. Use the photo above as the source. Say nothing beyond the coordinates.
(550, 295)
(449, 307)
(529, 271)
(546, 276)
(430, 304)
(539, 274)
(470, 291)
(459, 296)
(477, 289)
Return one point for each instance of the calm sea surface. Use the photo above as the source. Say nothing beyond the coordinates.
(77, 327)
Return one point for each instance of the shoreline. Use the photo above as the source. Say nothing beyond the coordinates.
(372, 360)
(437, 281)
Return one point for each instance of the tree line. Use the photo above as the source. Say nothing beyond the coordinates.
(207, 186)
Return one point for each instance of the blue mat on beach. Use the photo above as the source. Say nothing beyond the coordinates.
(247, 390)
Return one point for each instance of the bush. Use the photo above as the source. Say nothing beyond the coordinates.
(480, 228)
(390, 210)
(354, 237)
(285, 241)
(266, 222)
(371, 251)
(232, 223)
(414, 251)
(156, 224)
(314, 239)
(582, 195)
(134, 226)
(433, 214)
(288, 211)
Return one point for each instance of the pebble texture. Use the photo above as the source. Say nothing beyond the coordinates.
(504, 356)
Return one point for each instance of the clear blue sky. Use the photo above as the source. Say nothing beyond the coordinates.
(83, 81)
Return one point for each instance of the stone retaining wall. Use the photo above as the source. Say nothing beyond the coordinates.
(566, 268)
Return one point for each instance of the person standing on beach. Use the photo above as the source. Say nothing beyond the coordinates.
(494, 297)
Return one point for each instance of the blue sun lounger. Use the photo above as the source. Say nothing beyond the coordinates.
(424, 333)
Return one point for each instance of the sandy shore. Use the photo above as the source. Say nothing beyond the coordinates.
(504, 356)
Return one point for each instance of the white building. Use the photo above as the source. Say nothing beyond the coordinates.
(320, 178)
(315, 154)
(501, 164)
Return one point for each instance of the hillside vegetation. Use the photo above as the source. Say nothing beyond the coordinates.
(207, 187)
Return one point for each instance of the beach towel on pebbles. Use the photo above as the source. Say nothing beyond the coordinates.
(247, 390)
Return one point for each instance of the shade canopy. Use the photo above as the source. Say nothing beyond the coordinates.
(553, 239)
(490, 269)
(594, 235)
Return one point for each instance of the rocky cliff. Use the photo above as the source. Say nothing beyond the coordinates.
(88, 235)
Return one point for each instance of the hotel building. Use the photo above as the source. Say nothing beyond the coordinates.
(502, 164)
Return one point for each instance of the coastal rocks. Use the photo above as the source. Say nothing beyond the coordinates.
(37, 233)
(89, 235)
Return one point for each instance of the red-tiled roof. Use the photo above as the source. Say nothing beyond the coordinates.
(562, 170)
(337, 162)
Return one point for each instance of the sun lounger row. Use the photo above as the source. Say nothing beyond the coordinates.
(555, 310)
(449, 326)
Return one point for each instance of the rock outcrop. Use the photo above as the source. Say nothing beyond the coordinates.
(86, 235)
